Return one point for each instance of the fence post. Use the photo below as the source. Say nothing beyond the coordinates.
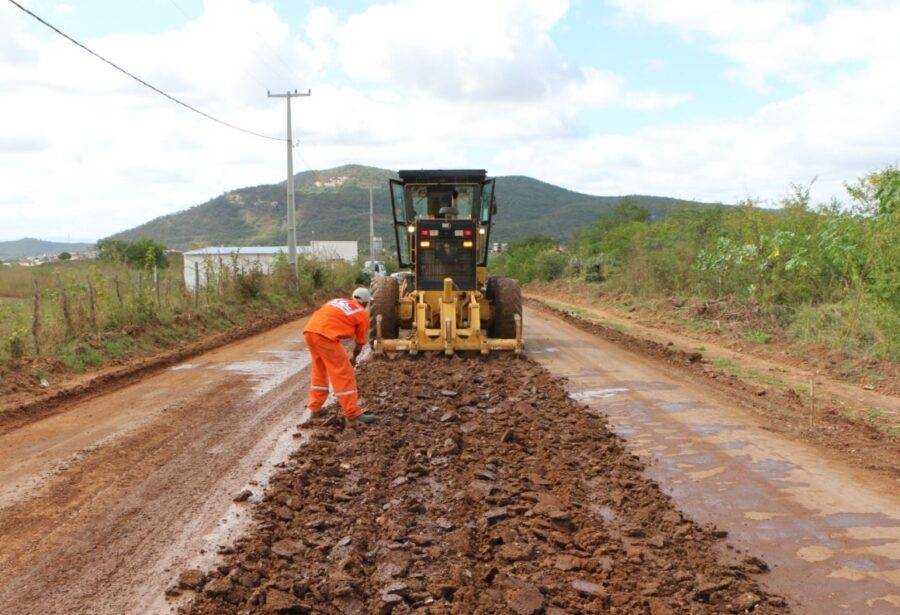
(141, 284)
(36, 320)
(196, 284)
(219, 278)
(156, 283)
(168, 288)
(93, 312)
(118, 291)
(64, 303)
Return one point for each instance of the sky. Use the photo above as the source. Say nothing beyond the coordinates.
(712, 100)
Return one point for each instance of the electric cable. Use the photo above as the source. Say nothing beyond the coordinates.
(141, 81)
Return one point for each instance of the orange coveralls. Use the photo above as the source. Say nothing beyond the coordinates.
(337, 320)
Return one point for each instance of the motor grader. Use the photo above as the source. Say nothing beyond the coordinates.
(445, 300)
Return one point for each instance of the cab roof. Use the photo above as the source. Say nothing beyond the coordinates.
(455, 176)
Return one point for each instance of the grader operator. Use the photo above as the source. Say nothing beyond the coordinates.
(445, 301)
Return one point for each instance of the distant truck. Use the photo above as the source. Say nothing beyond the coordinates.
(375, 269)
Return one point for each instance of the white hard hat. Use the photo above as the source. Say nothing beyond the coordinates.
(362, 294)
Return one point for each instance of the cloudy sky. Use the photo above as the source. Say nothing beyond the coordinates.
(716, 100)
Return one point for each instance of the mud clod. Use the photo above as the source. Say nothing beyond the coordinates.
(523, 502)
(243, 496)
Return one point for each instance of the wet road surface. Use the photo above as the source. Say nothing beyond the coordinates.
(830, 533)
(104, 502)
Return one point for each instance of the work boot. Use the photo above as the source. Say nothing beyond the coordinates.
(363, 419)
(318, 414)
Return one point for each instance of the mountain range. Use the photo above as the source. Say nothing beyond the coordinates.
(334, 204)
(29, 246)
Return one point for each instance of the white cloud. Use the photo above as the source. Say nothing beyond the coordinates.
(781, 38)
(124, 154)
(499, 51)
(410, 83)
(842, 124)
(63, 8)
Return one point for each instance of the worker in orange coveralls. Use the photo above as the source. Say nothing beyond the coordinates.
(337, 320)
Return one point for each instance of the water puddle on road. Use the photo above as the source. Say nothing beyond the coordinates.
(267, 375)
(597, 393)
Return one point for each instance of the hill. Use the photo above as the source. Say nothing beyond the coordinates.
(29, 246)
(334, 204)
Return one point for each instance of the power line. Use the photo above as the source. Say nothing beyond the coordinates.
(141, 81)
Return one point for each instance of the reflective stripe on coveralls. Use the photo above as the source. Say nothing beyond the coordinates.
(330, 363)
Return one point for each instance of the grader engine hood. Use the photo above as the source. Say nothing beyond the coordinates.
(445, 249)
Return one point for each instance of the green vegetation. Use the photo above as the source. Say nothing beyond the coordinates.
(828, 274)
(876, 419)
(91, 312)
(143, 253)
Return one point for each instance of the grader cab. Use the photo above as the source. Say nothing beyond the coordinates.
(445, 301)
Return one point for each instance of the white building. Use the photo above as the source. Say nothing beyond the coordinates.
(208, 261)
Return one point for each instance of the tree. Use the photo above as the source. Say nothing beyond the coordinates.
(64, 256)
(143, 253)
(112, 250)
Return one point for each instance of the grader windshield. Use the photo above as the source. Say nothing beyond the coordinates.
(461, 199)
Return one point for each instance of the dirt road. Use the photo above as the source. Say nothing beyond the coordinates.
(831, 533)
(101, 501)
(104, 504)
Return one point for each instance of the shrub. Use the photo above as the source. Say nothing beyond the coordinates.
(593, 268)
(249, 283)
(550, 265)
(15, 344)
(79, 357)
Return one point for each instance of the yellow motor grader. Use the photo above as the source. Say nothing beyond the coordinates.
(445, 300)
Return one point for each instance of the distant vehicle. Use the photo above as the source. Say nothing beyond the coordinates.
(376, 269)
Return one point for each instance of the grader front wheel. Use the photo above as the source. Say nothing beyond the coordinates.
(385, 303)
(505, 297)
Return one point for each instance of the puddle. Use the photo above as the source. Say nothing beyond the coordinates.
(268, 375)
(851, 520)
(680, 406)
(184, 366)
(597, 393)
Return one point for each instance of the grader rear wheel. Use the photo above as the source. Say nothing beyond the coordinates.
(506, 302)
(385, 303)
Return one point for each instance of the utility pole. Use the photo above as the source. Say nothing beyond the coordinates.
(291, 211)
(371, 227)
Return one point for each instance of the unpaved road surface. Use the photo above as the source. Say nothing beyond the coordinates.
(101, 500)
(830, 532)
(483, 489)
(103, 504)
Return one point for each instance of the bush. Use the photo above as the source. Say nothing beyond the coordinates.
(521, 260)
(550, 265)
(363, 278)
(593, 268)
(249, 283)
(15, 344)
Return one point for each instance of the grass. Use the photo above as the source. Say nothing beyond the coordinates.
(747, 373)
(79, 356)
(876, 419)
(127, 318)
(757, 337)
(116, 349)
(585, 314)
